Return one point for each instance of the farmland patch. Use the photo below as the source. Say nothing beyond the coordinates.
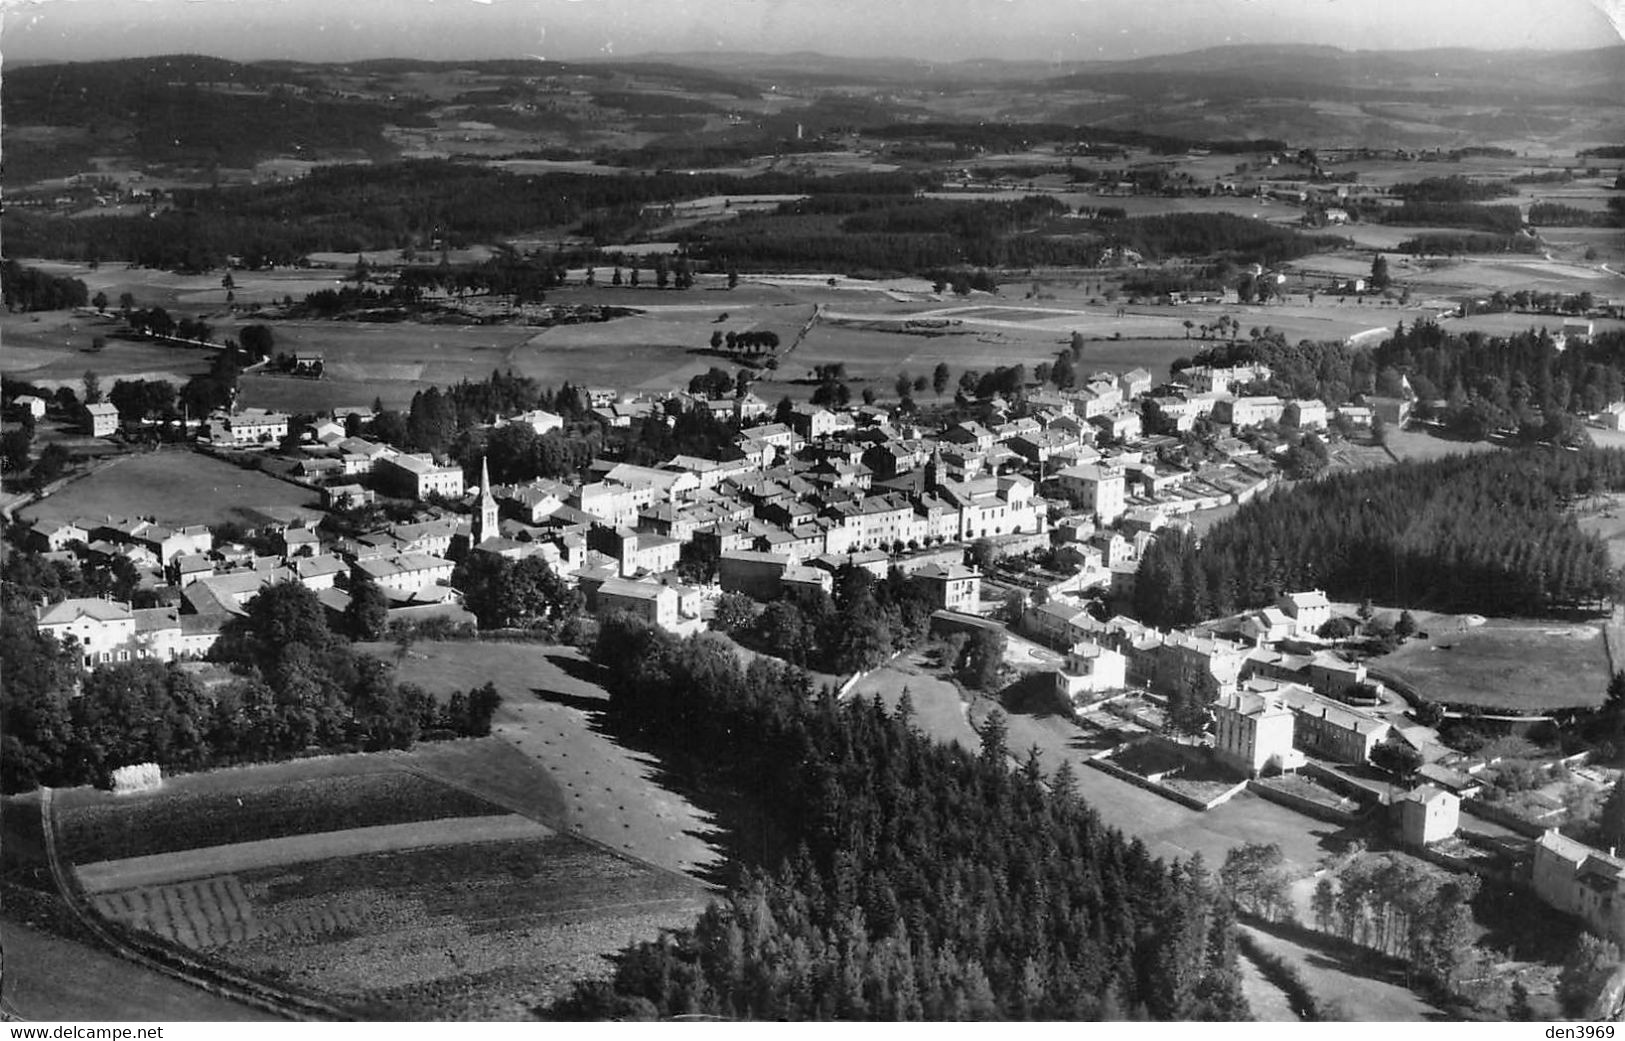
(461, 930)
(159, 869)
(177, 489)
(475, 931)
(250, 804)
(1514, 665)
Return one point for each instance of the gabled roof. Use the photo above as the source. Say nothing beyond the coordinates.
(72, 610)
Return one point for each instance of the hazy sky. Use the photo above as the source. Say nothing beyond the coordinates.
(1059, 30)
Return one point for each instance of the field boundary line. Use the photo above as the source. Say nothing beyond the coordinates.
(158, 869)
(172, 961)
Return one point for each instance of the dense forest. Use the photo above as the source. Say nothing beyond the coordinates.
(1453, 188)
(1460, 243)
(913, 236)
(395, 205)
(299, 684)
(1488, 533)
(916, 881)
(1504, 220)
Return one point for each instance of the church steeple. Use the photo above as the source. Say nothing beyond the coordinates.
(933, 470)
(485, 525)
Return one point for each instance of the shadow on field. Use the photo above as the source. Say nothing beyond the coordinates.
(747, 835)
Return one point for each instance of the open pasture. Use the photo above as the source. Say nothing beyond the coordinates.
(54, 979)
(200, 295)
(657, 350)
(1505, 664)
(550, 712)
(176, 488)
(53, 349)
(1483, 275)
(1421, 443)
(1506, 323)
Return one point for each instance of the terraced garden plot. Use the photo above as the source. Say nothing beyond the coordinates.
(231, 806)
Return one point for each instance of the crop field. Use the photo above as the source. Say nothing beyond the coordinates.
(486, 931)
(194, 489)
(375, 878)
(549, 714)
(249, 804)
(163, 869)
(477, 924)
(1530, 666)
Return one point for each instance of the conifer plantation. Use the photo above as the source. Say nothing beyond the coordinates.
(916, 880)
(1489, 533)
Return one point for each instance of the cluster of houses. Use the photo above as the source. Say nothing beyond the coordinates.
(797, 498)
(794, 502)
(1269, 704)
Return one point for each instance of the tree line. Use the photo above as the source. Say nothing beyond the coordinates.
(30, 289)
(1489, 533)
(911, 880)
(298, 685)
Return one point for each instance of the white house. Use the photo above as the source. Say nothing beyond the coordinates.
(405, 574)
(1099, 487)
(101, 419)
(419, 476)
(1309, 610)
(100, 626)
(1253, 732)
(257, 426)
(1427, 814)
(538, 420)
(1091, 669)
(1581, 881)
